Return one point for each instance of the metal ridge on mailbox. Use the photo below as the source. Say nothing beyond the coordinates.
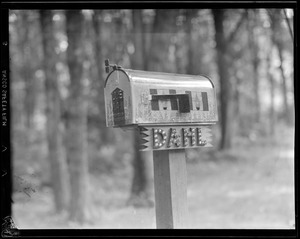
(171, 111)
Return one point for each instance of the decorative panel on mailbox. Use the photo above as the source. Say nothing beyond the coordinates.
(140, 98)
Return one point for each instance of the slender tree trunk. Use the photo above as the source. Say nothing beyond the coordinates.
(138, 61)
(29, 100)
(190, 52)
(276, 38)
(255, 64)
(59, 173)
(141, 186)
(253, 45)
(272, 94)
(227, 116)
(120, 39)
(141, 190)
(76, 126)
(162, 32)
(105, 133)
(17, 76)
(192, 65)
(284, 87)
(98, 55)
(147, 36)
(237, 99)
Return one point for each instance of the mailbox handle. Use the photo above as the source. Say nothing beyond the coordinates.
(183, 101)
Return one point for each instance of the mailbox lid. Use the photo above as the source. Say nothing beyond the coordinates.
(144, 84)
(167, 79)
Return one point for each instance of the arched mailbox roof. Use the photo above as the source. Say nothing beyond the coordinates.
(160, 78)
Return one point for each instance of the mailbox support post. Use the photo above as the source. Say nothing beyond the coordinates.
(170, 182)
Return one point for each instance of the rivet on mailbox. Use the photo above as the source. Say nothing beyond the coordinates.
(171, 111)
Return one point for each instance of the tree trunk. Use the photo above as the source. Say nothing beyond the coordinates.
(276, 38)
(272, 94)
(141, 186)
(120, 40)
(227, 116)
(287, 114)
(137, 60)
(237, 100)
(105, 133)
(76, 126)
(27, 71)
(163, 30)
(255, 63)
(59, 173)
(192, 65)
(253, 45)
(17, 76)
(97, 43)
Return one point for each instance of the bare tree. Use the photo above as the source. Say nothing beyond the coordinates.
(275, 19)
(76, 125)
(59, 173)
(254, 49)
(97, 42)
(272, 96)
(27, 69)
(226, 94)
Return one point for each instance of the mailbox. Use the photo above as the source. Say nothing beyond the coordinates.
(162, 101)
(135, 97)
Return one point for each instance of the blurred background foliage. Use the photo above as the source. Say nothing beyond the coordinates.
(62, 150)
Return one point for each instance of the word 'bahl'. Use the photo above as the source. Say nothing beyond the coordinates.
(171, 111)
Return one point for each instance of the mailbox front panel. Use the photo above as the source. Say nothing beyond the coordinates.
(118, 105)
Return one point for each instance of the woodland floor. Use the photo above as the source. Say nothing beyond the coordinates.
(250, 186)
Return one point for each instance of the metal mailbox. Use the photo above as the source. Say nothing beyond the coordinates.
(151, 98)
(164, 104)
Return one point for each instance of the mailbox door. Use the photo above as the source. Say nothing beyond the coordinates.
(118, 105)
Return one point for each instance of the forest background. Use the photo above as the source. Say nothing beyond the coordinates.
(70, 171)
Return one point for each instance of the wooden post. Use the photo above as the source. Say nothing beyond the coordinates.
(170, 182)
